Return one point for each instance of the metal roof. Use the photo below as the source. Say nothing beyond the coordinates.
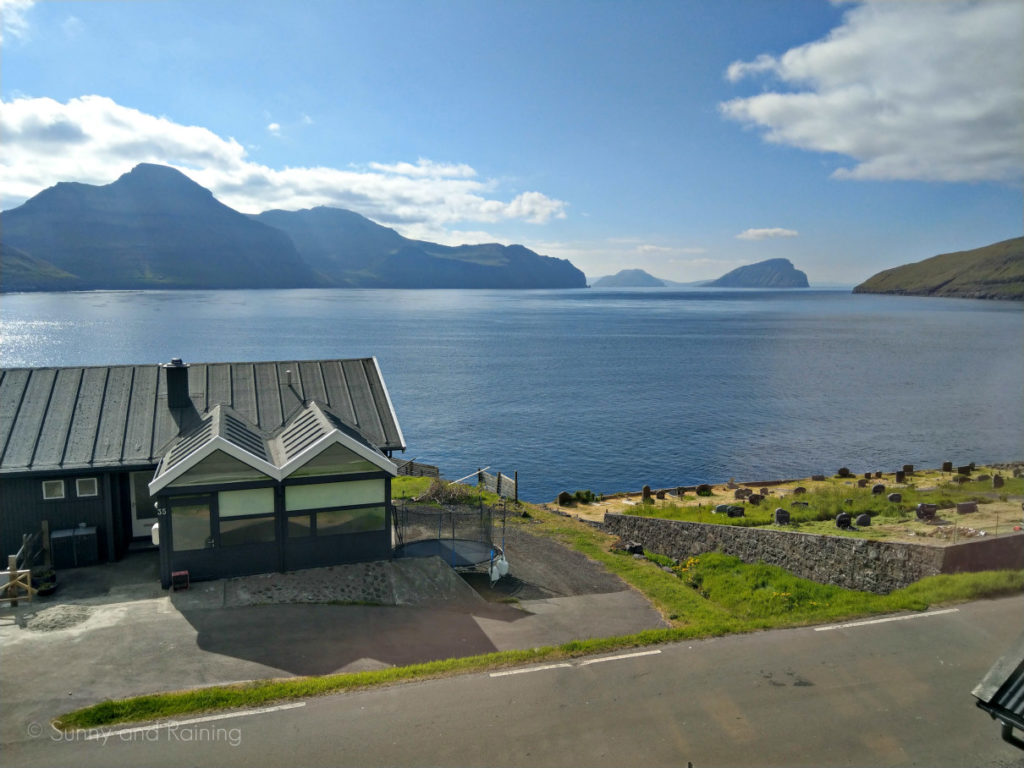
(1001, 691)
(309, 431)
(54, 419)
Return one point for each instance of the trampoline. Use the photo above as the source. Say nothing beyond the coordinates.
(464, 536)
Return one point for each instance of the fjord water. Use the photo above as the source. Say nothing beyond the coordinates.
(603, 389)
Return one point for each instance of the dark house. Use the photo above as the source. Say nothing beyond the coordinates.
(247, 467)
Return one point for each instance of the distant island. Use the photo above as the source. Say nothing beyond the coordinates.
(772, 273)
(629, 278)
(992, 272)
(156, 228)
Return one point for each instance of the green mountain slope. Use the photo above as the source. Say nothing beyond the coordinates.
(20, 271)
(772, 273)
(993, 272)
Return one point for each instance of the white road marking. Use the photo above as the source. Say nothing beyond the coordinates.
(564, 665)
(103, 734)
(523, 671)
(620, 656)
(882, 621)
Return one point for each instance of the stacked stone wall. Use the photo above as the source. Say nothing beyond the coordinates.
(853, 563)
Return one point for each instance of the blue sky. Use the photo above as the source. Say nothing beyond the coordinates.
(684, 138)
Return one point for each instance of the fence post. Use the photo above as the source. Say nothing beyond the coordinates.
(517, 486)
(499, 484)
(12, 574)
(47, 557)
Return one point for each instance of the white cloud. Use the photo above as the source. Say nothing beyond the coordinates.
(911, 91)
(274, 129)
(93, 139)
(766, 234)
(13, 17)
(72, 26)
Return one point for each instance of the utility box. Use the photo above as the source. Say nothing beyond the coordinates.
(87, 546)
(62, 548)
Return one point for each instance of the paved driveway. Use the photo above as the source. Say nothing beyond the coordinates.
(111, 632)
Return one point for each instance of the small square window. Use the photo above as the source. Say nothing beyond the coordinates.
(53, 489)
(87, 486)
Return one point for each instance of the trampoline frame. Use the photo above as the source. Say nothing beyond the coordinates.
(461, 553)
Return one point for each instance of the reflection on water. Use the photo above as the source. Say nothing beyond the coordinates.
(603, 389)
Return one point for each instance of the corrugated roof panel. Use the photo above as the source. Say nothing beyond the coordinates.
(86, 419)
(12, 389)
(138, 435)
(291, 393)
(190, 443)
(382, 404)
(110, 438)
(22, 443)
(239, 433)
(243, 392)
(54, 434)
(268, 395)
(367, 418)
(218, 385)
(312, 381)
(338, 397)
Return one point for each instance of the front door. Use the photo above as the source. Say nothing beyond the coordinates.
(143, 511)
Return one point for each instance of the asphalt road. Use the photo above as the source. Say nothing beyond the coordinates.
(887, 693)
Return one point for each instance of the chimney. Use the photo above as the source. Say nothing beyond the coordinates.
(177, 383)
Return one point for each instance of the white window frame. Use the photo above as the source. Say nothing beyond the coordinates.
(51, 485)
(80, 481)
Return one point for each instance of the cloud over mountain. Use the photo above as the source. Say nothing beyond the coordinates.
(911, 91)
(93, 139)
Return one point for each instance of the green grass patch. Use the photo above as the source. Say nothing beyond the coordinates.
(409, 487)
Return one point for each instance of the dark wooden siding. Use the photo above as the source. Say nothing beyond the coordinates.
(21, 500)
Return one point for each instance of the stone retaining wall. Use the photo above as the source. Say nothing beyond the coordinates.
(863, 564)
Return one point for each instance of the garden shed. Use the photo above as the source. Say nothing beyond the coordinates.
(248, 467)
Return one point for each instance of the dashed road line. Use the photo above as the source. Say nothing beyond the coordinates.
(883, 621)
(103, 735)
(620, 656)
(524, 670)
(566, 665)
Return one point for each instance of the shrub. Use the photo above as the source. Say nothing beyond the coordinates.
(585, 496)
(442, 492)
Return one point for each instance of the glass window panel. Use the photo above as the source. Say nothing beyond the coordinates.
(343, 494)
(190, 524)
(254, 501)
(338, 521)
(53, 489)
(217, 468)
(249, 531)
(87, 486)
(300, 526)
(335, 460)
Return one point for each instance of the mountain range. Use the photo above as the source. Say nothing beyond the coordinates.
(156, 228)
(993, 271)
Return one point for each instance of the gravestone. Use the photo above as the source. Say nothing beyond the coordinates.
(781, 516)
(843, 472)
(817, 478)
(901, 476)
(878, 488)
(947, 466)
(863, 520)
(862, 482)
(755, 499)
(966, 469)
(966, 507)
(798, 490)
(894, 498)
(908, 469)
(926, 511)
(867, 475)
(722, 509)
(763, 491)
(878, 475)
(997, 481)
(843, 520)
(735, 511)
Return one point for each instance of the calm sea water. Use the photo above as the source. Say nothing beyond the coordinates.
(603, 389)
